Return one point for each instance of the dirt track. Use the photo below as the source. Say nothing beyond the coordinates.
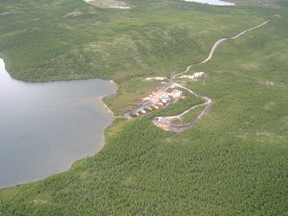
(166, 122)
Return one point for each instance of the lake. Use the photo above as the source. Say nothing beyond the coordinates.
(212, 2)
(44, 127)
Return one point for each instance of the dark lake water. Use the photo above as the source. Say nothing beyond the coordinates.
(44, 127)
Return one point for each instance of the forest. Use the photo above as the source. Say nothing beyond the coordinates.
(231, 162)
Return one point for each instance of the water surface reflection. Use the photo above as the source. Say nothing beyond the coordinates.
(44, 127)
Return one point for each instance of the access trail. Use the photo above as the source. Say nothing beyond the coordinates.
(167, 121)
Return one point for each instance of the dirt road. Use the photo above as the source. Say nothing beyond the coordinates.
(216, 45)
(167, 122)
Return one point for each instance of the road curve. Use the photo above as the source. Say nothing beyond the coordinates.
(168, 125)
(216, 45)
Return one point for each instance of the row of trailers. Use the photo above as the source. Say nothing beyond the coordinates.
(146, 109)
(163, 100)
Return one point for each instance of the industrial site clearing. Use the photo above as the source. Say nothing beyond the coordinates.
(172, 92)
(169, 93)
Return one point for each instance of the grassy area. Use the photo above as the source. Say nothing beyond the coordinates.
(179, 107)
(72, 40)
(129, 94)
(192, 114)
(232, 162)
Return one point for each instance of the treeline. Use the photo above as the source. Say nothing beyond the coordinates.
(232, 162)
(143, 170)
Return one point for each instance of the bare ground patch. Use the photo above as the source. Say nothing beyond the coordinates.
(109, 4)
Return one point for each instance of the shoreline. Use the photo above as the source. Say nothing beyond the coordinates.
(97, 146)
(102, 142)
(103, 96)
(105, 105)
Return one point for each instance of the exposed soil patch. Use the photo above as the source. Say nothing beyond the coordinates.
(155, 78)
(109, 4)
(161, 96)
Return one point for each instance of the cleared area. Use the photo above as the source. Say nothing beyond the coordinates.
(109, 4)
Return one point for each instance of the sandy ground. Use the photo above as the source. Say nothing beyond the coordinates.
(155, 78)
(108, 4)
